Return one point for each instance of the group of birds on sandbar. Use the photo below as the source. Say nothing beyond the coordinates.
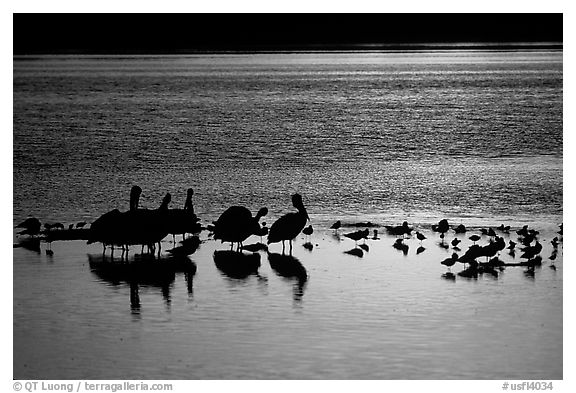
(148, 227)
(530, 246)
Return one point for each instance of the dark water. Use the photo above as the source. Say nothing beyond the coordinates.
(472, 136)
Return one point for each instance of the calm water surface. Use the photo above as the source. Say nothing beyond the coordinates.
(472, 136)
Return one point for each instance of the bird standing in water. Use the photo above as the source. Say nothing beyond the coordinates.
(289, 225)
(336, 226)
(236, 224)
(308, 231)
(420, 237)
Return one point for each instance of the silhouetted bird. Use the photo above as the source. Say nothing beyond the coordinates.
(81, 224)
(364, 247)
(460, 229)
(474, 238)
(263, 231)
(503, 228)
(356, 252)
(336, 225)
(188, 247)
(420, 250)
(449, 262)
(289, 225)
(491, 232)
(31, 226)
(357, 235)
(455, 242)
(236, 224)
(442, 227)
(511, 245)
(136, 226)
(183, 221)
(308, 230)
(531, 251)
(420, 237)
(400, 230)
(188, 205)
(401, 246)
(375, 237)
(135, 193)
(523, 231)
(554, 242)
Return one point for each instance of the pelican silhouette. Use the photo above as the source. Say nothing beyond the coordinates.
(31, 226)
(183, 221)
(236, 224)
(136, 226)
(289, 225)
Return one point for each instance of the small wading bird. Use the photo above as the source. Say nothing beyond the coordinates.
(399, 230)
(442, 228)
(449, 262)
(289, 225)
(308, 231)
(460, 229)
(357, 235)
(474, 238)
(420, 237)
(336, 225)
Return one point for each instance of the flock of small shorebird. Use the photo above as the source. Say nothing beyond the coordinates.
(148, 227)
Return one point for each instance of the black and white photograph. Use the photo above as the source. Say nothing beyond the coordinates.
(363, 196)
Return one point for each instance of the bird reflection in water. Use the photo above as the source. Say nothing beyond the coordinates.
(290, 268)
(236, 265)
(143, 271)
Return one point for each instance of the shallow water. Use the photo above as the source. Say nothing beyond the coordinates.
(472, 136)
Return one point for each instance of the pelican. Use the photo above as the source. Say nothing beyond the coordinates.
(289, 225)
(236, 224)
(182, 221)
(31, 226)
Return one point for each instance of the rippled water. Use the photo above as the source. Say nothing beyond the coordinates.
(472, 136)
